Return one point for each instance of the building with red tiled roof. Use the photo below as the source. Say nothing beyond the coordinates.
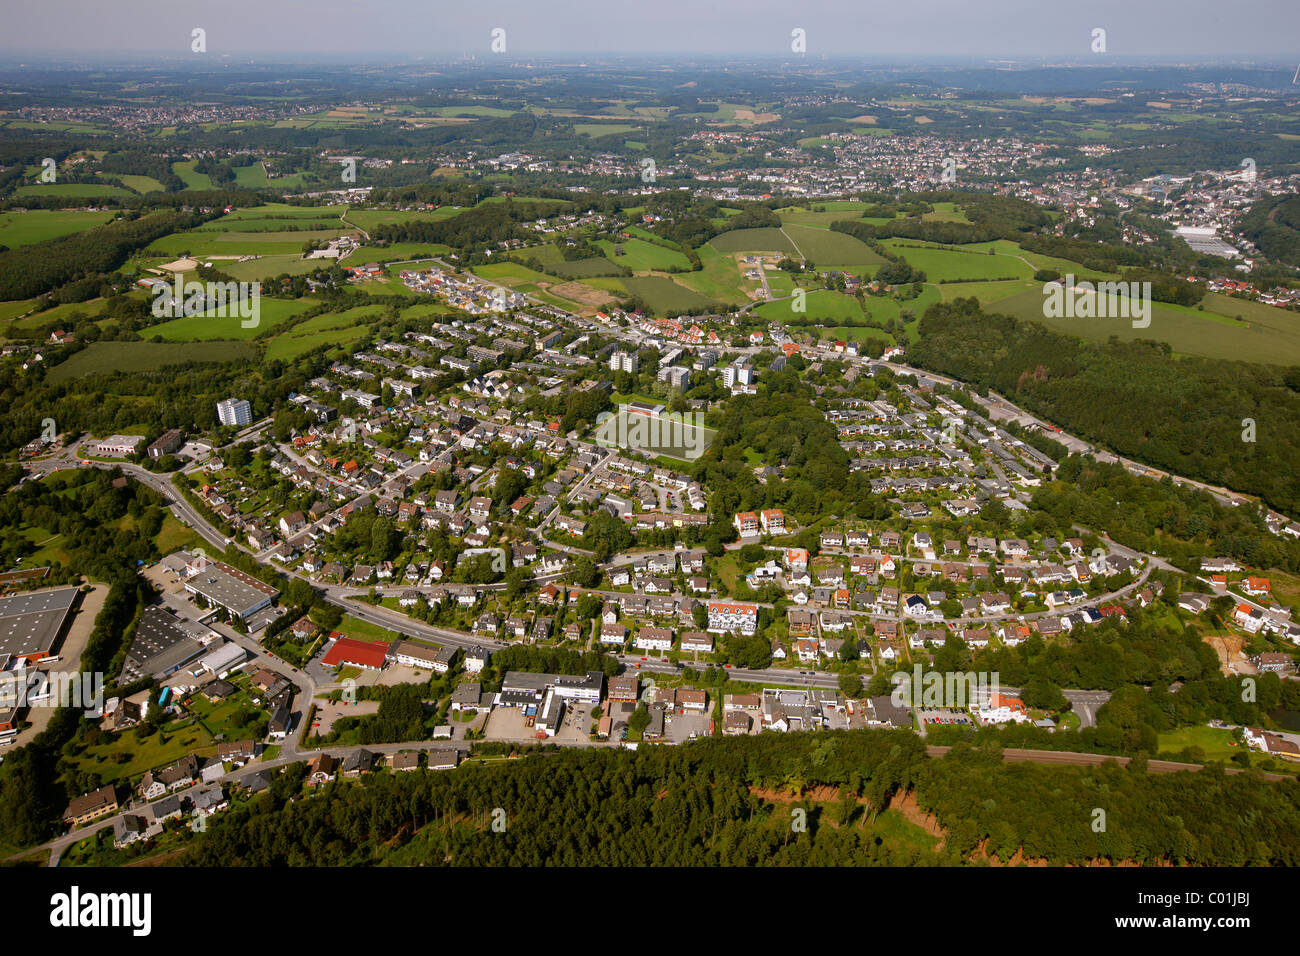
(347, 650)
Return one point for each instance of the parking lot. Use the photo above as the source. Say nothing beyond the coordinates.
(327, 713)
(507, 723)
(945, 716)
(577, 721)
(679, 727)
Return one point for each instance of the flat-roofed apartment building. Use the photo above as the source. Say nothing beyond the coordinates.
(33, 625)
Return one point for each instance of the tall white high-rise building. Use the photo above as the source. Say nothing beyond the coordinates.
(625, 362)
(234, 411)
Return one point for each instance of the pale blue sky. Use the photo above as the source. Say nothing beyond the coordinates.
(740, 28)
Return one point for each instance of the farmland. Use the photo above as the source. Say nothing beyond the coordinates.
(102, 358)
(952, 264)
(1265, 334)
(765, 239)
(209, 326)
(37, 225)
(664, 296)
(833, 250)
(639, 255)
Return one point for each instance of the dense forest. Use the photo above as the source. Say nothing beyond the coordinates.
(1273, 224)
(1183, 524)
(1185, 415)
(737, 801)
(786, 430)
(482, 225)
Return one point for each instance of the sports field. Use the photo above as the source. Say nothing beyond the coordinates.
(672, 436)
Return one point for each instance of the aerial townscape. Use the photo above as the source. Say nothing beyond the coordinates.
(773, 458)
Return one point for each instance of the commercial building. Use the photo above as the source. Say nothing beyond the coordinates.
(346, 650)
(524, 689)
(222, 660)
(219, 584)
(118, 446)
(33, 625)
(165, 444)
(162, 645)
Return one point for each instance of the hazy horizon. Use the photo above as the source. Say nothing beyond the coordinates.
(401, 30)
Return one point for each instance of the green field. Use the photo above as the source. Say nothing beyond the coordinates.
(193, 179)
(90, 190)
(288, 347)
(663, 296)
(1265, 334)
(641, 256)
(951, 264)
(766, 239)
(251, 177)
(987, 292)
(397, 251)
(142, 184)
(511, 273)
(278, 210)
(681, 439)
(833, 250)
(830, 308)
(38, 225)
(587, 268)
(12, 309)
(719, 279)
(61, 313)
(1212, 740)
(265, 267)
(106, 358)
(494, 112)
(604, 129)
(368, 219)
(838, 211)
(945, 212)
(204, 243)
(209, 326)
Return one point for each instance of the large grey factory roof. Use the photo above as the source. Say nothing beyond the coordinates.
(30, 624)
